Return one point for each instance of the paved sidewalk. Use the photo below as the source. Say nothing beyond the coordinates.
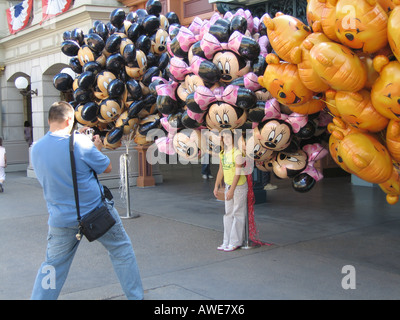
(313, 236)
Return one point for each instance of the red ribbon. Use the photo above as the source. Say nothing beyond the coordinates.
(253, 232)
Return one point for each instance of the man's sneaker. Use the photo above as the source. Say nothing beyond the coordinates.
(204, 176)
(270, 187)
(210, 176)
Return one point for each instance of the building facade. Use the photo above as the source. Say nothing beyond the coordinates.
(35, 54)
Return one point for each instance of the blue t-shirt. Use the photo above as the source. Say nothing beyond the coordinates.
(51, 162)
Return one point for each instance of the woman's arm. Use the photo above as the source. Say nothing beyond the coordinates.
(238, 173)
(231, 191)
(218, 179)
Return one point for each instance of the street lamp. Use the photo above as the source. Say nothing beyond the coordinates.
(21, 83)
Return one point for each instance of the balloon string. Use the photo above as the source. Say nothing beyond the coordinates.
(253, 232)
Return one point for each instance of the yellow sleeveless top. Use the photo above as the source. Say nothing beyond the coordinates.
(229, 166)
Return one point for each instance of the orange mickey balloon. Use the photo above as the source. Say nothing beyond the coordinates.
(387, 5)
(338, 129)
(392, 187)
(393, 31)
(385, 93)
(338, 66)
(361, 25)
(393, 139)
(357, 110)
(309, 107)
(366, 157)
(306, 72)
(328, 18)
(331, 102)
(285, 34)
(282, 81)
(314, 12)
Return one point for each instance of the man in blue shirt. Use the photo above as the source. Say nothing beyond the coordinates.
(51, 162)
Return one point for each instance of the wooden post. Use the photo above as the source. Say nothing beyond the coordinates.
(145, 178)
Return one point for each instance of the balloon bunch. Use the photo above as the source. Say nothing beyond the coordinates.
(214, 85)
(347, 58)
(114, 65)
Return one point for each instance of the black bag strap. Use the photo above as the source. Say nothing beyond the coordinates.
(74, 179)
(73, 169)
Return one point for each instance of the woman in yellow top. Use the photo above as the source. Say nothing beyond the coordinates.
(231, 172)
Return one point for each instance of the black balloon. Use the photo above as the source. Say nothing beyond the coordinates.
(172, 18)
(75, 65)
(149, 74)
(257, 113)
(143, 43)
(70, 47)
(115, 63)
(145, 128)
(82, 96)
(303, 182)
(154, 7)
(134, 31)
(93, 66)
(246, 98)
(95, 42)
(86, 80)
(116, 88)
(113, 43)
(115, 135)
(102, 30)
(239, 23)
(135, 108)
(117, 18)
(249, 48)
(129, 55)
(134, 89)
(90, 111)
(63, 82)
(192, 104)
(209, 72)
(151, 24)
(78, 36)
(188, 122)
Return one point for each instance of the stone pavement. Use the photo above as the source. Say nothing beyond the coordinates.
(313, 236)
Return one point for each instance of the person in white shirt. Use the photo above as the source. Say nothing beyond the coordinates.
(3, 165)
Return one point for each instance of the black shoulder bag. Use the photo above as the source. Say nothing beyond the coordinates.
(97, 222)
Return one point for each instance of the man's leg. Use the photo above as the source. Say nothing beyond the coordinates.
(61, 249)
(123, 258)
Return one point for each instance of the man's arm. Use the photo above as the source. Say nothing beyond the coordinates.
(108, 169)
(99, 145)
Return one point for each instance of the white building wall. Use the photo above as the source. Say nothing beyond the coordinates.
(35, 53)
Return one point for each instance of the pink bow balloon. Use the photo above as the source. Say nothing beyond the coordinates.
(211, 45)
(204, 96)
(314, 152)
(296, 120)
(179, 68)
(251, 81)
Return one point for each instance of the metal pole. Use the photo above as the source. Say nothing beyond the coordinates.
(247, 243)
(128, 197)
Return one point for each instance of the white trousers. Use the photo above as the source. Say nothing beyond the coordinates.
(235, 216)
(2, 174)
